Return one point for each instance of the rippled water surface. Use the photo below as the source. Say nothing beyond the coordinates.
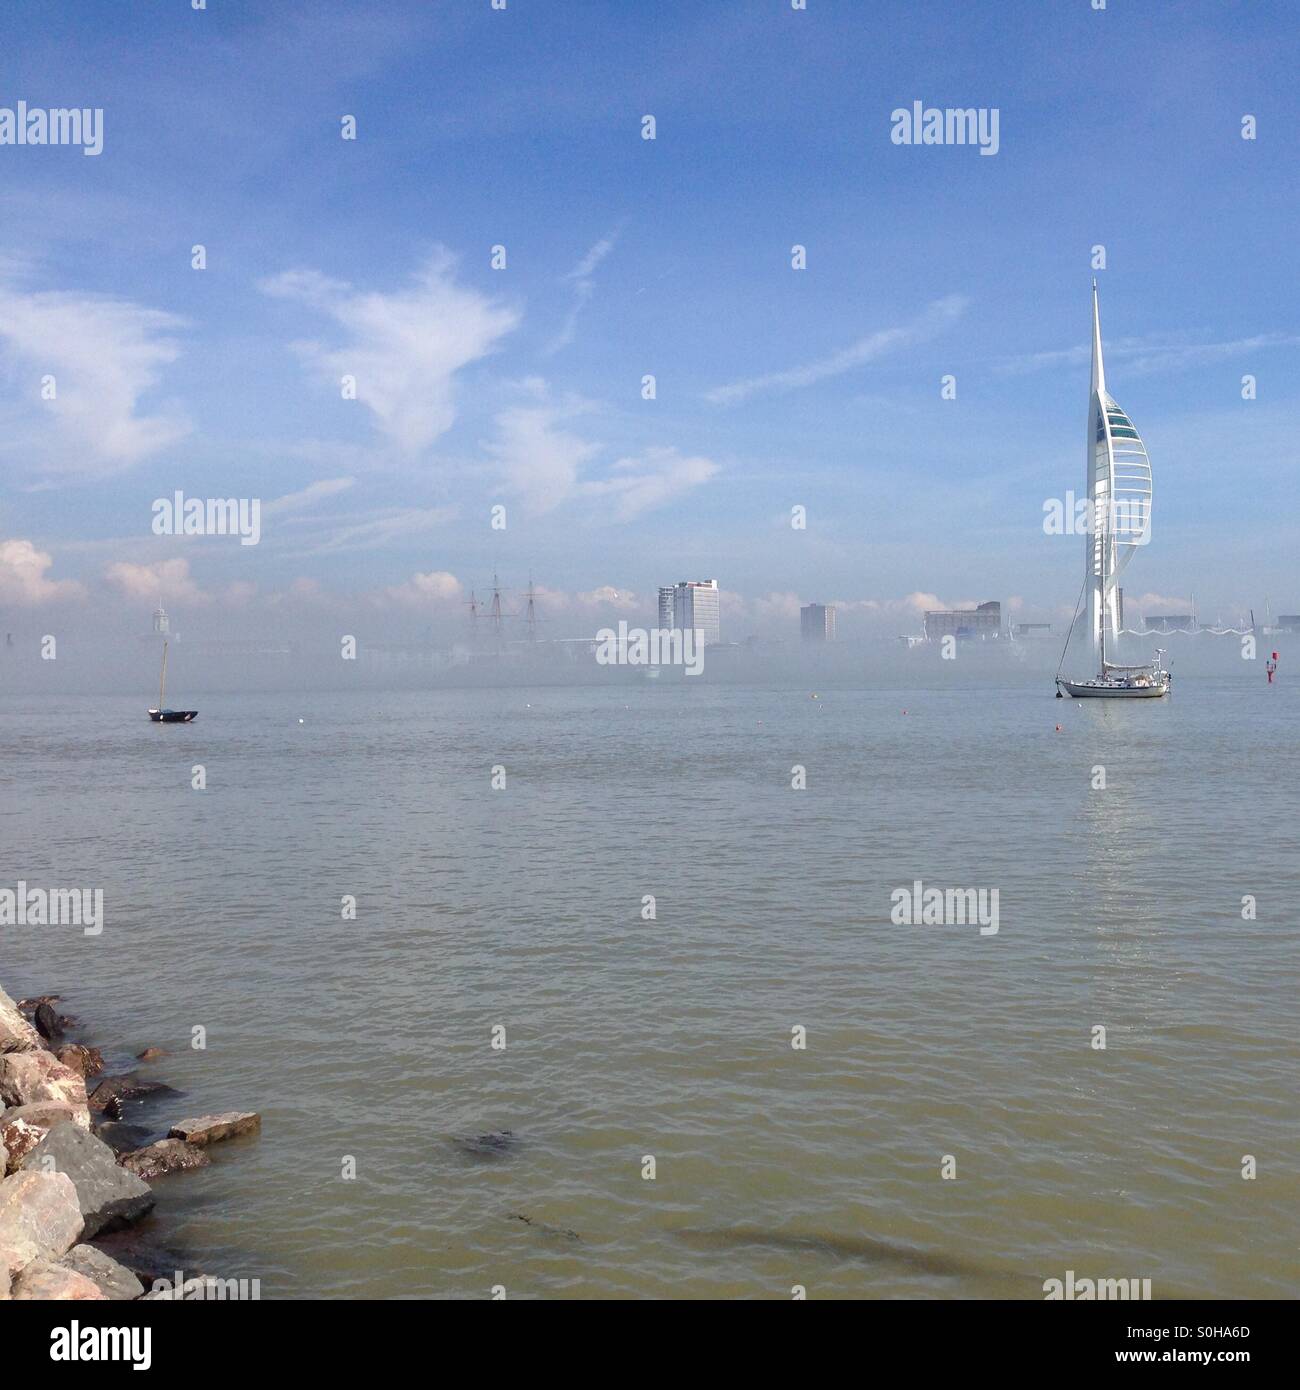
(625, 1037)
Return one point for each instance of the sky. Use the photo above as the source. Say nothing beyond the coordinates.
(521, 386)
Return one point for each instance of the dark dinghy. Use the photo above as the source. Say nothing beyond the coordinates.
(169, 716)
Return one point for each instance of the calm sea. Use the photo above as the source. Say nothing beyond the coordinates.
(522, 909)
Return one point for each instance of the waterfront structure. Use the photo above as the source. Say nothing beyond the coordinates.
(983, 621)
(694, 606)
(1173, 622)
(1119, 493)
(817, 622)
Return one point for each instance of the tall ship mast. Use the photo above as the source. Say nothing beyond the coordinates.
(1119, 521)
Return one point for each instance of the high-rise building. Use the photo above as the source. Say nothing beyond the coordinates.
(694, 606)
(161, 622)
(817, 623)
(984, 621)
(666, 592)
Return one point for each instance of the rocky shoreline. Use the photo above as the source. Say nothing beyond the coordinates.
(74, 1169)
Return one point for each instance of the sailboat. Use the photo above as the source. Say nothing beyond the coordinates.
(161, 715)
(1119, 496)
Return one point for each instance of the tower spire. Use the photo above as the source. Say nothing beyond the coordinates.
(1098, 370)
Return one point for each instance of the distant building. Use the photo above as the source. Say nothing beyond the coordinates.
(695, 606)
(1031, 629)
(1177, 622)
(982, 622)
(1289, 622)
(666, 593)
(817, 623)
(161, 622)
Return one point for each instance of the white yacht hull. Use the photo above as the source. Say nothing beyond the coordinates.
(1104, 690)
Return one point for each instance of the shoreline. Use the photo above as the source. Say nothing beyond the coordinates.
(77, 1150)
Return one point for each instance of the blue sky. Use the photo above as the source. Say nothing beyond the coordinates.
(522, 386)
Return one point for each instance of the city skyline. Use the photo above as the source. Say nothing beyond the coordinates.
(799, 354)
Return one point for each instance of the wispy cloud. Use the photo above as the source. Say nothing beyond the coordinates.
(536, 457)
(404, 348)
(1149, 354)
(308, 496)
(584, 286)
(103, 355)
(658, 476)
(938, 316)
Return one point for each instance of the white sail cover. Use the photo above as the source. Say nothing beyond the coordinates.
(1119, 490)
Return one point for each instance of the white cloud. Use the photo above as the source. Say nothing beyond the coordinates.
(403, 348)
(104, 354)
(168, 580)
(538, 460)
(641, 484)
(436, 589)
(938, 316)
(23, 580)
(306, 497)
(580, 277)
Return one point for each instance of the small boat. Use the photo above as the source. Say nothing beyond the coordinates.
(161, 715)
(1119, 520)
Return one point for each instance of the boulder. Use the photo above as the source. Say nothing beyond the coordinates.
(85, 1061)
(114, 1280)
(166, 1156)
(28, 1077)
(109, 1196)
(150, 1054)
(39, 1219)
(16, 1034)
(208, 1129)
(129, 1087)
(23, 1127)
(142, 1255)
(48, 1023)
(45, 1281)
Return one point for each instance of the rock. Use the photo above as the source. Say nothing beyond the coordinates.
(23, 1127)
(129, 1087)
(47, 1022)
(124, 1138)
(166, 1156)
(208, 1129)
(85, 1061)
(16, 1034)
(109, 1196)
(150, 1054)
(39, 1218)
(495, 1145)
(142, 1255)
(45, 1281)
(115, 1281)
(28, 1077)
